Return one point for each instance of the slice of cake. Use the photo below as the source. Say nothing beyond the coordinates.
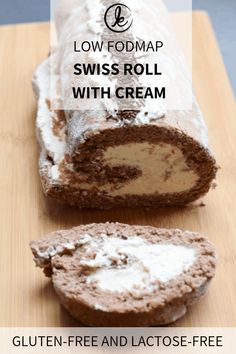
(120, 275)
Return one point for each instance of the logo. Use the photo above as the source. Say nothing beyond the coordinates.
(118, 18)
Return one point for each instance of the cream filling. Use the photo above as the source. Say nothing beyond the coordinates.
(134, 264)
(164, 169)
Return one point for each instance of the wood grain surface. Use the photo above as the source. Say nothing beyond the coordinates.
(27, 297)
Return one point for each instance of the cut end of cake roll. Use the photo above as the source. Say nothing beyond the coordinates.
(94, 160)
(148, 165)
(120, 275)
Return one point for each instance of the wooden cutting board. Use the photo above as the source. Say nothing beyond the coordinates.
(27, 297)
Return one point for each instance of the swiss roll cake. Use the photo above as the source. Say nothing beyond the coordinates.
(105, 157)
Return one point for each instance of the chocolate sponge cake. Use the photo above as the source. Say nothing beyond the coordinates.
(103, 157)
(119, 275)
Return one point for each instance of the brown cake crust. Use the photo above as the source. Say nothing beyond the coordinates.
(58, 255)
(89, 164)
